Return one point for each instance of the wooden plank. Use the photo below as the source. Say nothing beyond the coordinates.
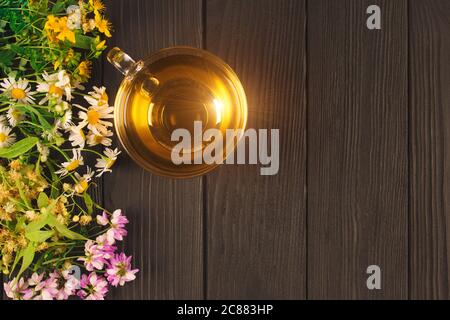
(256, 230)
(165, 234)
(357, 150)
(430, 146)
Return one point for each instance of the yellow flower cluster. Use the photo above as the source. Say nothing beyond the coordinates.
(57, 29)
(64, 28)
(17, 183)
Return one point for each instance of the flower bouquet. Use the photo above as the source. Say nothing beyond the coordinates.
(55, 241)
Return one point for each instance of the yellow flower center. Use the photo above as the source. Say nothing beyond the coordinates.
(81, 186)
(98, 138)
(73, 165)
(18, 93)
(3, 137)
(15, 114)
(55, 90)
(93, 116)
(110, 163)
(103, 99)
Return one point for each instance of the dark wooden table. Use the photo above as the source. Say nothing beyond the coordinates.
(364, 119)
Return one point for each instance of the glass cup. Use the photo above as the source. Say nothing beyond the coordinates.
(177, 88)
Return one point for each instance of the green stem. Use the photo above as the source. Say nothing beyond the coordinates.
(60, 259)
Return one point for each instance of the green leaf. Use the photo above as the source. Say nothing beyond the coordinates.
(58, 7)
(42, 200)
(43, 122)
(63, 230)
(28, 256)
(39, 236)
(23, 197)
(55, 181)
(89, 203)
(20, 224)
(38, 224)
(18, 148)
(6, 57)
(19, 256)
(83, 42)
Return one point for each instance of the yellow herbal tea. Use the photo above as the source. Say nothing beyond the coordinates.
(170, 90)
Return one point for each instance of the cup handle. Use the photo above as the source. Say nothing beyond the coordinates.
(119, 59)
(124, 63)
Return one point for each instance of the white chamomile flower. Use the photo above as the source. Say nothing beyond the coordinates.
(7, 84)
(83, 180)
(104, 164)
(94, 118)
(6, 137)
(95, 138)
(14, 116)
(18, 91)
(55, 86)
(77, 136)
(65, 122)
(72, 164)
(98, 97)
(3, 120)
(43, 152)
(74, 17)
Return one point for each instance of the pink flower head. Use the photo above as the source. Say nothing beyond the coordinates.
(35, 279)
(18, 289)
(48, 288)
(105, 246)
(94, 258)
(117, 230)
(103, 219)
(68, 285)
(119, 270)
(93, 287)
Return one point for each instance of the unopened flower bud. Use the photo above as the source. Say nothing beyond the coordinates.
(85, 220)
(67, 265)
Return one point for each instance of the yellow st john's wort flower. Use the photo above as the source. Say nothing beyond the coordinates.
(65, 32)
(97, 5)
(57, 29)
(84, 70)
(99, 44)
(103, 25)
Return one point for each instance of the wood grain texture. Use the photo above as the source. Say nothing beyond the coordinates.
(256, 231)
(165, 232)
(430, 147)
(357, 150)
